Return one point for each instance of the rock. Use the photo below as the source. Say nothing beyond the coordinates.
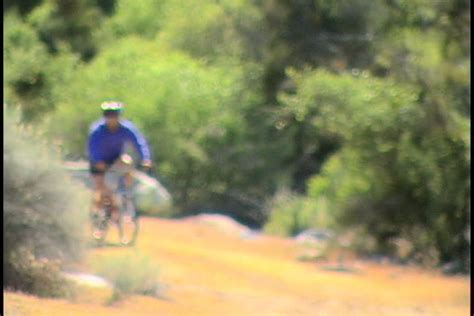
(453, 267)
(88, 279)
(225, 224)
(314, 236)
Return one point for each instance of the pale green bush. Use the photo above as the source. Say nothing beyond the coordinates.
(129, 274)
(44, 213)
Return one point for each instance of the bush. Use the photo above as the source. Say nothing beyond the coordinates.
(44, 213)
(129, 274)
(291, 214)
(398, 173)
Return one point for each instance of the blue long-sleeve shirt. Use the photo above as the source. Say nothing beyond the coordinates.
(107, 146)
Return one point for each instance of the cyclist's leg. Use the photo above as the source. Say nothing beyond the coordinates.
(113, 178)
(98, 202)
(98, 183)
(103, 193)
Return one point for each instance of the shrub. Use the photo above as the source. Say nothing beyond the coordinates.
(399, 173)
(44, 213)
(291, 214)
(129, 274)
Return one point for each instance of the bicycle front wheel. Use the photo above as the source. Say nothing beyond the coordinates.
(99, 221)
(128, 223)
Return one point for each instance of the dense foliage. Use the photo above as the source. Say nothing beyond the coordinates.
(360, 108)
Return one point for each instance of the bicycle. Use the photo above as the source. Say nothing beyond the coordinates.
(116, 205)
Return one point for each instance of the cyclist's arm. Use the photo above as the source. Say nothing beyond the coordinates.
(140, 143)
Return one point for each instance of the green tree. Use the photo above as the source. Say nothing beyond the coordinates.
(141, 18)
(31, 74)
(225, 29)
(193, 115)
(23, 6)
(69, 23)
(395, 175)
(334, 34)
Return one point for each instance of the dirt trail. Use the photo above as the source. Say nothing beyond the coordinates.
(206, 272)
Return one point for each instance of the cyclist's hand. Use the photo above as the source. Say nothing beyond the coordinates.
(146, 164)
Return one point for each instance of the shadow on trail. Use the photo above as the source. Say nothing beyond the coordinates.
(341, 268)
(109, 244)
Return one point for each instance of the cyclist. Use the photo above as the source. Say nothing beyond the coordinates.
(108, 138)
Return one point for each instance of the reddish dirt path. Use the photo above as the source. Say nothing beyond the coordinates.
(205, 271)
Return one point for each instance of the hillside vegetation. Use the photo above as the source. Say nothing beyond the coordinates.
(352, 116)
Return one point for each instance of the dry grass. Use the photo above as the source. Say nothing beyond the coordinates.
(205, 272)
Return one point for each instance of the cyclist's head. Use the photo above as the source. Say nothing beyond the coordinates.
(111, 108)
(112, 111)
